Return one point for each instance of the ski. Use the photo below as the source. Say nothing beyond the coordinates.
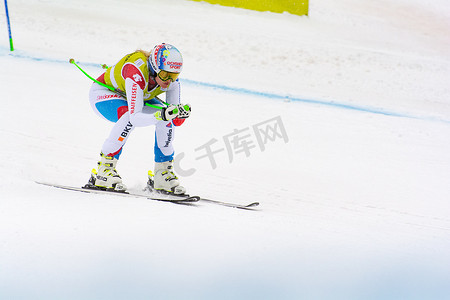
(166, 198)
(229, 204)
(249, 206)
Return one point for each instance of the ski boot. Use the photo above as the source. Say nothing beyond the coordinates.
(164, 179)
(106, 177)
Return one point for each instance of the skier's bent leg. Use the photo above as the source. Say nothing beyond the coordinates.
(164, 175)
(106, 175)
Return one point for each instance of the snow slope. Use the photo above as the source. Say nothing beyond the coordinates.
(354, 196)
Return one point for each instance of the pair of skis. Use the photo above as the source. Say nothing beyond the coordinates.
(179, 199)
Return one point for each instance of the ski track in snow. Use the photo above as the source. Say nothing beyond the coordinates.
(354, 198)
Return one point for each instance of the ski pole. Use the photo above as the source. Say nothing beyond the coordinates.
(11, 47)
(113, 89)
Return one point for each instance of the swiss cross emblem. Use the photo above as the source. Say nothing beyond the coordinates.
(137, 77)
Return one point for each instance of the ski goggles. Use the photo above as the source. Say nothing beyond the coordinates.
(164, 75)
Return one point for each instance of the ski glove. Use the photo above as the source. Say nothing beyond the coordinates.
(173, 111)
(184, 111)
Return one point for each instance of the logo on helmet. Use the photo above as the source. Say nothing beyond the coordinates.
(164, 56)
(155, 55)
(174, 65)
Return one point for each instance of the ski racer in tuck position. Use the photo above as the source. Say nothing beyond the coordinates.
(142, 76)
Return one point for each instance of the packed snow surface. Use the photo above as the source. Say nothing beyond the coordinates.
(338, 123)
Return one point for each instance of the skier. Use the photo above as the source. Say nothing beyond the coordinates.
(142, 76)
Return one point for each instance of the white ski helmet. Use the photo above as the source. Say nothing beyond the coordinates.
(166, 57)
